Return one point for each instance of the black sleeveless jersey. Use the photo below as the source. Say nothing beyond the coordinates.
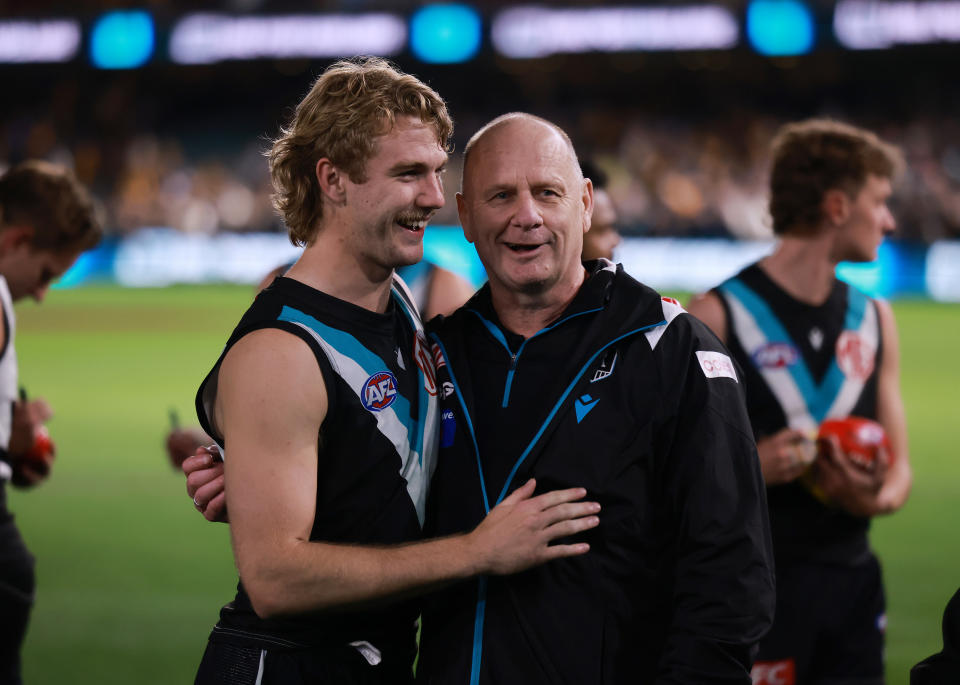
(376, 448)
(803, 364)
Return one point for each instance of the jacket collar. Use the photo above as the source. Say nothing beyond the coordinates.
(593, 294)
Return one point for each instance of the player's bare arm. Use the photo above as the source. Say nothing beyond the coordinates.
(708, 308)
(884, 489)
(890, 413)
(271, 404)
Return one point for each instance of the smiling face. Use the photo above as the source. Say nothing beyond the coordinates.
(387, 212)
(525, 207)
(868, 222)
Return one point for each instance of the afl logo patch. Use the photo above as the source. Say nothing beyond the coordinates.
(379, 391)
(776, 355)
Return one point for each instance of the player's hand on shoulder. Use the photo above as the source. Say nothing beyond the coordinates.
(785, 456)
(205, 483)
(517, 533)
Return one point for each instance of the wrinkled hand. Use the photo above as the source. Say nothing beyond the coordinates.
(204, 472)
(181, 443)
(517, 533)
(785, 455)
(846, 484)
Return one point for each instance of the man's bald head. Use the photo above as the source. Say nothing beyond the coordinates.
(491, 130)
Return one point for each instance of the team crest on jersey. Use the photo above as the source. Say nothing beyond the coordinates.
(438, 359)
(424, 359)
(379, 391)
(855, 355)
(776, 355)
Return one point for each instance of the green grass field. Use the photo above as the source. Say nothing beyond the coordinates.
(131, 578)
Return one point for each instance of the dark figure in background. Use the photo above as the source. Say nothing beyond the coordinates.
(943, 668)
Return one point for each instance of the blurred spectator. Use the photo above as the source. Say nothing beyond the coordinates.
(669, 174)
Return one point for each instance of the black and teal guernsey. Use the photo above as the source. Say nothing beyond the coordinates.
(376, 449)
(803, 364)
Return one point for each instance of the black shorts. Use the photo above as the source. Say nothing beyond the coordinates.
(16, 595)
(828, 628)
(236, 663)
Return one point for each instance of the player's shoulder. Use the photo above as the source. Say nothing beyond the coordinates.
(680, 330)
(269, 348)
(708, 308)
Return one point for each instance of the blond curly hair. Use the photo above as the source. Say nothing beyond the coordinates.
(349, 105)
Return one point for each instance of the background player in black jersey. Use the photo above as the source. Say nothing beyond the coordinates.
(357, 177)
(46, 221)
(814, 348)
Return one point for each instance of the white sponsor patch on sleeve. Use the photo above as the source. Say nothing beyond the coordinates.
(716, 365)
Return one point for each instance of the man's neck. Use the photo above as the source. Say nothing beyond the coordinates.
(803, 267)
(327, 266)
(525, 314)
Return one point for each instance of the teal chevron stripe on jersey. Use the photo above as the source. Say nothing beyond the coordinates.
(354, 363)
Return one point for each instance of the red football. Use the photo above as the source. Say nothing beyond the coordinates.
(42, 449)
(860, 438)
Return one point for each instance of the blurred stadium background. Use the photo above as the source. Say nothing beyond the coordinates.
(165, 108)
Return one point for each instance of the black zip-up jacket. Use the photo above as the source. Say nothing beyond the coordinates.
(635, 400)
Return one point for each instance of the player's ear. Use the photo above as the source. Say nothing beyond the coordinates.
(835, 206)
(331, 180)
(587, 198)
(464, 214)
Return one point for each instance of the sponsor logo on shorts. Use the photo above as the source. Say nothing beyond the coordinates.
(447, 389)
(379, 391)
(776, 355)
(782, 672)
(855, 355)
(882, 622)
(716, 365)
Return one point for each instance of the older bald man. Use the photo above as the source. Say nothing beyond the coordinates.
(578, 374)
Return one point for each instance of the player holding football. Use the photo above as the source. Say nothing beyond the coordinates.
(46, 221)
(811, 348)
